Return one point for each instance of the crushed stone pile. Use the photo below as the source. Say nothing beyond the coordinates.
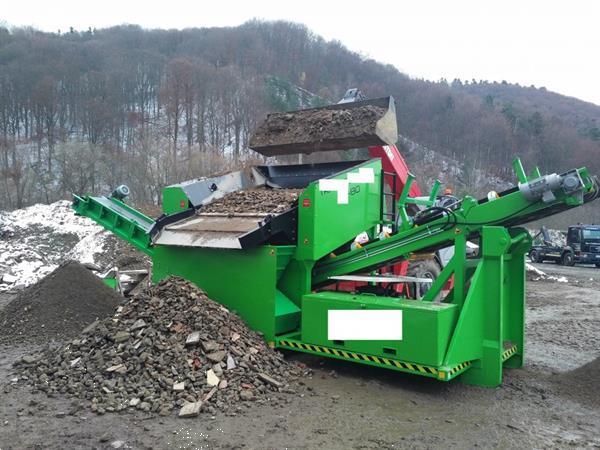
(57, 307)
(310, 125)
(170, 349)
(254, 201)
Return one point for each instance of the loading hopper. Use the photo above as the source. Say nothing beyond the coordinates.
(336, 127)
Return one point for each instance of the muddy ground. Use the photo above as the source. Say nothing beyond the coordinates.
(352, 406)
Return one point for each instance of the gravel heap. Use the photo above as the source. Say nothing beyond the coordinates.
(169, 349)
(57, 307)
(261, 201)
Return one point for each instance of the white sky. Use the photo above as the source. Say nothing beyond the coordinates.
(549, 43)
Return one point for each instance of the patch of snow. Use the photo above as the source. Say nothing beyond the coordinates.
(36, 239)
(89, 247)
(530, 268)
(541, 275)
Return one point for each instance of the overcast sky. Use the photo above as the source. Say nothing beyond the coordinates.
(549, 43)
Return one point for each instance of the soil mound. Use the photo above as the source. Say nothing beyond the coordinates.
(169, 349)
(582, 383)
(57, 307)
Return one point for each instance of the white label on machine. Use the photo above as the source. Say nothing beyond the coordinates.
(364, 325)
(339, 186)
(364, 175)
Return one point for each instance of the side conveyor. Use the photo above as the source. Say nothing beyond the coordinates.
(116, 216)
(439, 230)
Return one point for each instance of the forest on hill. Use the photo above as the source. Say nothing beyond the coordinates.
(85, 111)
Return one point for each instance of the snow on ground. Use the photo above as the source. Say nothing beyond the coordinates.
(538, 274)
(34, 240)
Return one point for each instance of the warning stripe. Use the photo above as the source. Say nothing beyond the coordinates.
(509, 352)
(418, 369)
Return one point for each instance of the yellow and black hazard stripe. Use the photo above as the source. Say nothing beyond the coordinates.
(451, 372)
(403, 366)
(509, 352)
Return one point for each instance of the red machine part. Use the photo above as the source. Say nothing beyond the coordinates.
(392, 162)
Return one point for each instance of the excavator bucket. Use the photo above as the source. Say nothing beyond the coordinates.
(337, 127)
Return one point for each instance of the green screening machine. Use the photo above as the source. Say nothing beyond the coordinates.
(296, 275)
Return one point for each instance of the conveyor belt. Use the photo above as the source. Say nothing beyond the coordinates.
(439, 230)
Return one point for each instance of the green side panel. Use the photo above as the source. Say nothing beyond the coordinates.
(284, 254)
(287, 314)
(295, 280)
(426, 326)
(174, 200)
(110, 282)
(325, 222)
(243, 281)
(118, 217)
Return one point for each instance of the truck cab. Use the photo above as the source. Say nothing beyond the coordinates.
(582, 246)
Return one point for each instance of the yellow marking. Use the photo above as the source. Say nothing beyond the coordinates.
(335, 352)
(376, 359)
(387, 361)
(365, 357)
(355, 356)
(326, 350)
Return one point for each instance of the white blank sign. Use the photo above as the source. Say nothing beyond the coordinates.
(364, 325)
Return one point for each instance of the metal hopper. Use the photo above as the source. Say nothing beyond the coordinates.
(335, 127)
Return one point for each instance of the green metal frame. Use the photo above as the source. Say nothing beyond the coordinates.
(118, 217)
(476, 330)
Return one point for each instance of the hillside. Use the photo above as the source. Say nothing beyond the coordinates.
(85, 111)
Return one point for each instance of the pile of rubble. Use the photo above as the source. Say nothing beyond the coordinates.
(170, 348)
(57, 307)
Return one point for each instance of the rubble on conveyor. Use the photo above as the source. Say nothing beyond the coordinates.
(170, 349)
(254, 201)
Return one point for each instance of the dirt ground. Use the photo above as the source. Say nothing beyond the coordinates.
(352, 406)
